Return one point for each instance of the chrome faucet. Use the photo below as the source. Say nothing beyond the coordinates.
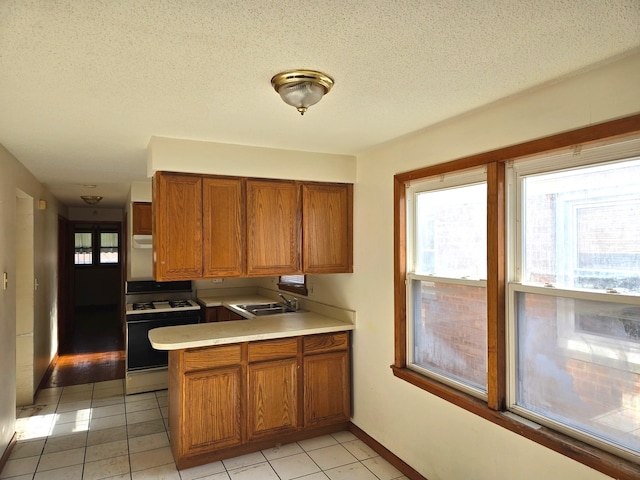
(293, 303)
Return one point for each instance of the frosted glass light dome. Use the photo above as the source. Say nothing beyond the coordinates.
(302, 88)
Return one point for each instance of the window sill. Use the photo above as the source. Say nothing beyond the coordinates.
(593, 457)
(293, 288)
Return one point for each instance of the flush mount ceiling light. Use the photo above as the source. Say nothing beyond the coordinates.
(91, 199)
(302, 88)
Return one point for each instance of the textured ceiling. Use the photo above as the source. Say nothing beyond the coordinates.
(85, 84)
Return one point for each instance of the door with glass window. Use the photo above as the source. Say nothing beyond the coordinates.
(95, 281)
(96, 261)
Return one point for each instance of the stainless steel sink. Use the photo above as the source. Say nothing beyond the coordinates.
(262, 309)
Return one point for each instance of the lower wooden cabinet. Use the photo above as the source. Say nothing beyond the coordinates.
(234, 399)
(272, 398)
(213, 417)
(205, 399)
(224, 315)
(326, 388)
(218, 314)
(327, 396)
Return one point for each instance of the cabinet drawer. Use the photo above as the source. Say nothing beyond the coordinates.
(273, 349)
(326, 342)
(211, 357)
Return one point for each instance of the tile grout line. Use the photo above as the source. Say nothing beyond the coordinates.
(49, 432)
(126, 429)
(157, 405)
(311, 458)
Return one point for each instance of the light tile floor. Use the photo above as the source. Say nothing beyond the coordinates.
(94, 431)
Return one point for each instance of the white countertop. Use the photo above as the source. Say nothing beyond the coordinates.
(236, 331)
(231, 301)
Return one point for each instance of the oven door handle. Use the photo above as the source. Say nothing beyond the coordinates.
(194, 317)
(147, 320)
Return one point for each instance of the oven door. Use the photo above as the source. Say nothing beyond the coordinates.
(140, 354)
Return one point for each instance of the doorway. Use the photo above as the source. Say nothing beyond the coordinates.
(91, 344)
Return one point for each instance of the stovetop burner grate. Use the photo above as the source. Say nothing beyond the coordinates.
(179, 303)
(153, 305)
(163, 305)
(143, 306)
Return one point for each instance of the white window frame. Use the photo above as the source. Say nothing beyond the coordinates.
(441, 182)
(516, 171)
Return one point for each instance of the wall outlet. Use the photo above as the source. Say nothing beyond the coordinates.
(217, 280)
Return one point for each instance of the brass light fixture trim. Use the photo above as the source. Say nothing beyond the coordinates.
(91, 199)
(302, 88)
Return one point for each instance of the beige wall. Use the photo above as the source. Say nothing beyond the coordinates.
(240, 160)
(95, 214)
(24, 281)
(438, 439)
(41, 333)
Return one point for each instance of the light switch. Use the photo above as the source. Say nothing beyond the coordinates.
(5, 280)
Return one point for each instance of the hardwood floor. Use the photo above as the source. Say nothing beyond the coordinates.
(95, 351)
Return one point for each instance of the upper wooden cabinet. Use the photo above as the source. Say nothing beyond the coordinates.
(209, 226)
(177, 226)
(327, 226)
(223, 201)
(273, 227)
(199, 226)
(142, 218)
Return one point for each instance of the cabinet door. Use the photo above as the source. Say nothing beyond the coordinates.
(327, 213)
(272, 397)
(326, 388)
(212, 417)
(141, 218)
(225, 314)
(273, 227)
(209, 314)
(223, 223)
(177, 226)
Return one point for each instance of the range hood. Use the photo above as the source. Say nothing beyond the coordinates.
(142, 241)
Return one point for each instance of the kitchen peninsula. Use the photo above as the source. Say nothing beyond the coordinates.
(245, 385)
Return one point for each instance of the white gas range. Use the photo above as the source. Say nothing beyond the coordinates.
(151, 305)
